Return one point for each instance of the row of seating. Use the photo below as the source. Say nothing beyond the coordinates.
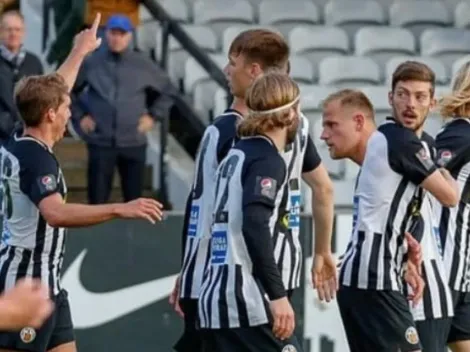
(404, 13)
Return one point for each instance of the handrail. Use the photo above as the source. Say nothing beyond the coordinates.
(176, 30)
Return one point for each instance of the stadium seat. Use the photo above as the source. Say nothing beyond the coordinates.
(318, 42)
(462, 15)
(221, 14)
(410, 14)
(440, 70)
(178, 9)
(382, 43)
(301, 70)
(203, 36)
(311, 97)
(459, 63)
(146, 30)
(349, 71)
(352, 15)
(447, 44)
(231, 33)
(220, 101)
(276, 13)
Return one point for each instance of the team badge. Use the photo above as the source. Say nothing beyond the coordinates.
(425, 159)
(289, 348)
(411, 335)
(49, 182)
(445, 157)
(27, 335)
(266, 186)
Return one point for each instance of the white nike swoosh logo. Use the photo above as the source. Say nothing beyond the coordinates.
(94, 309)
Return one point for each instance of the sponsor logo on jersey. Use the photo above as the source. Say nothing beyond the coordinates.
(49, 182)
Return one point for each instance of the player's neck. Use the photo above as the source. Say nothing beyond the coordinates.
(278, 137)
(360, 153)
(239, 105)
(39, 135)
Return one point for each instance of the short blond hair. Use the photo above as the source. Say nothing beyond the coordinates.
(269, 91)
(351, 98)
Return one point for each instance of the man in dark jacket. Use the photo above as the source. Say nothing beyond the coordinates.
(15, 63)
(118, 96)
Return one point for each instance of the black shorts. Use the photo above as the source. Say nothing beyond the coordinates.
(460, 328)
(56, 331)
(191, 338)
(377, 321)
(253, 339)
(433, 334)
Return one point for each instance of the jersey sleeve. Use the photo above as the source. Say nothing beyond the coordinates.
(408, 156)
(39, 176)
(311, 158)
(262, 183)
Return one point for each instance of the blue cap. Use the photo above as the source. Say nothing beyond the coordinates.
(119, 22)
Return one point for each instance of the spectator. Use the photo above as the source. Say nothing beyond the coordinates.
(15, 63)
(117, 98)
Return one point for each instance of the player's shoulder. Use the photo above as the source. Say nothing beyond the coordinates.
(259, 150)
(396, 134)
(227, 120)
(454, 129)
(28, 150)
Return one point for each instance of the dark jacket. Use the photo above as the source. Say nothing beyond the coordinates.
(116, 90)
(9, 75)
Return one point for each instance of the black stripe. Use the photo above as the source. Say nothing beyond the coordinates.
(6, 267)
(356, 262)
(346, 259)
(441, 288)
(52, 255)
(222, 301)
(39, 246)
(61, 257)
(374, 262)
(203, 298)
(188, 271)
(293, 257)
(24, 264)
(389, 233)
(210, 296)
(240, 298)
(427, 299)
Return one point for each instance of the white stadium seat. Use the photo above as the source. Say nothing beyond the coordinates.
(447, 44)
(418, 15)
(220, 101)
(311, 97)
(352, 15)
(230, 33)
(221, 14)
(276, 13)
(302, 70)
(382, 43)
(178, 9)
(349, 71)
(195, 74)
(440, 70)
(318, 42)
(462, 15)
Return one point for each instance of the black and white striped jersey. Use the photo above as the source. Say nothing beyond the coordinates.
(437, 299)
(242, 274)
(395, 164)
(30, 247)
(300, 156)
(453, 152)
(215, 144)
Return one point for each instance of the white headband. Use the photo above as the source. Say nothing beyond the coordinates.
(280, 108)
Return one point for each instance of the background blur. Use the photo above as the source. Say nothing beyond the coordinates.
(119, 274)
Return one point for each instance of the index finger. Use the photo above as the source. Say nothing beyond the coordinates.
(96, 23)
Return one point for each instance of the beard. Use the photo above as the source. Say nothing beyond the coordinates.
(292, 133)
(419, 124)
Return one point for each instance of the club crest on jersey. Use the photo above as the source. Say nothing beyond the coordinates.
(411, 335)
(289, 348)
(48, 182)
(425, 159)
(27, 335)
(444, 157)
(266, 187)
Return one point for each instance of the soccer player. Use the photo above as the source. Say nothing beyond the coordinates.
(243, 303)
(34, 196)
(453, 143)
(252, 53)
(394, 163)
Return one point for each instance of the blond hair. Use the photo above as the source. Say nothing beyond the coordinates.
(351, 98)
(269, 91)
(458, 102)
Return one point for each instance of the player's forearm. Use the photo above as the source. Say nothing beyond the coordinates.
(71, 66)
(78, 215)
(260, 247)
(323, 213)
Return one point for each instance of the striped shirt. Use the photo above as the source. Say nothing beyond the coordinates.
(453, 152)
(242, 275)
(300, 156)
(394, 165)
(30, 247)
(215, 144)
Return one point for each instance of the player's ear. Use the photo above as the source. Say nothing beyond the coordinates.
(51, 115)
(359, 120)
(256, 70)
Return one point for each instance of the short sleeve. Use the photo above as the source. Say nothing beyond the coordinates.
(263, 180)
(311, 157)
(38, 179)
(409, 157)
